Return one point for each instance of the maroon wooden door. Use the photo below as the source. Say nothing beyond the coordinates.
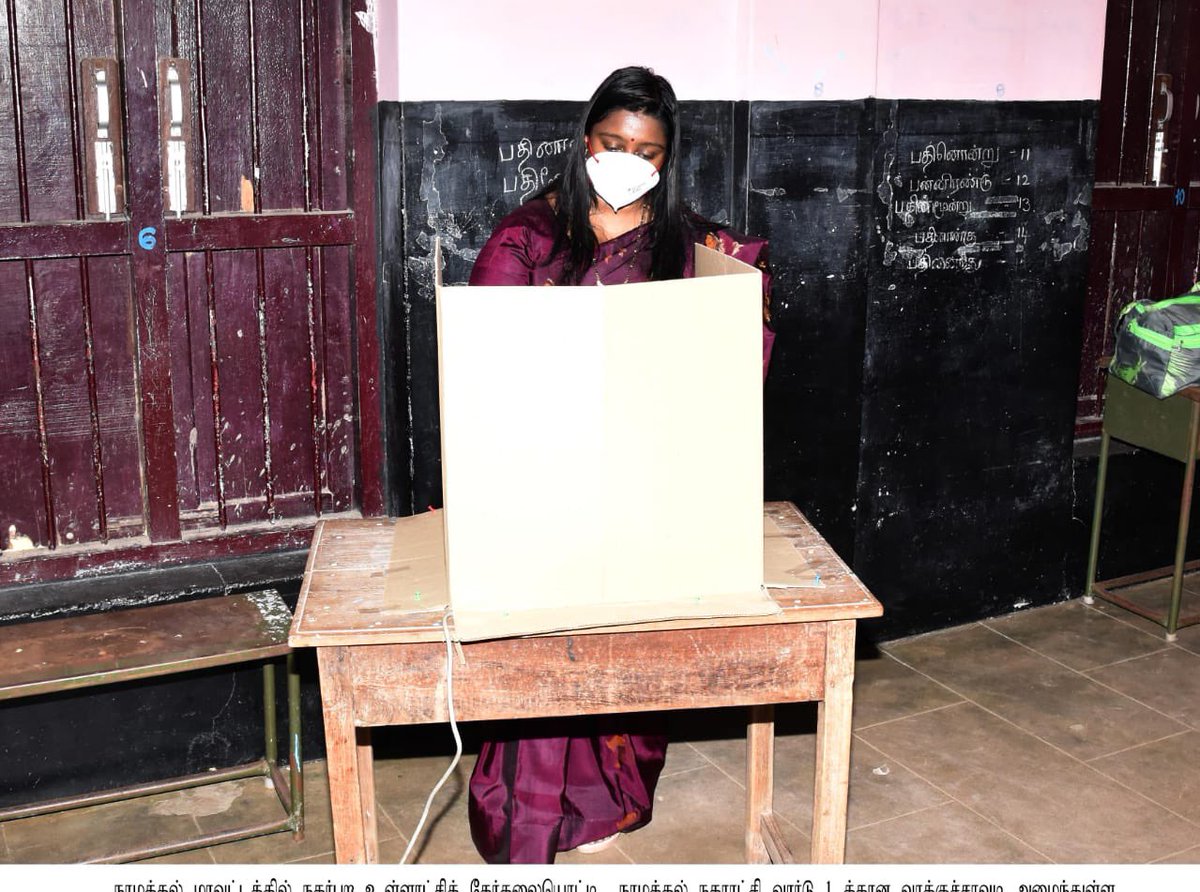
(178, 267)
(1145, 207)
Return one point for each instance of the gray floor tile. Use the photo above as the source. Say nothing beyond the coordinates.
(445, 839)
(879, 788)
(258, 803)
(885, 689)
(1156, 596)
(1043, 797)
(1166, 771)
(1037, 694)
(682, 757)
(402, 787)
(89, 833)
(699, 818)
(1168, 680)
(1077, 635)
(1130, 618)
(1191, 856)
(943, 834)
(1189, 638)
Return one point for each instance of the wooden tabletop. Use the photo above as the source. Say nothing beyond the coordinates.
(342, 600)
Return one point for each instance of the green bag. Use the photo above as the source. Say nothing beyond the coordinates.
(1158, 344)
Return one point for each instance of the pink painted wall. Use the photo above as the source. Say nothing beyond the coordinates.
(744, 49)
(1016, 49)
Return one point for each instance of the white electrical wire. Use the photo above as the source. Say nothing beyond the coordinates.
(458, 747)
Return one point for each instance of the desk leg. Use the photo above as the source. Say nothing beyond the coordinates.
(832, 785)
(760, 772)
(365, 755)
(348, 756)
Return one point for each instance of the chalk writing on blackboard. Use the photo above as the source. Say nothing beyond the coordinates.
(955, 207)
(530, 176)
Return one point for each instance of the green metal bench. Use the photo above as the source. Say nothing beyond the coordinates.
(72, 653)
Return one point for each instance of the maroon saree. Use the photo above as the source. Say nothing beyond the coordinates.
(531, 798)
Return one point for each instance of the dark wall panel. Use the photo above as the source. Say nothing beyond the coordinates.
(973, 327)
(807, 163)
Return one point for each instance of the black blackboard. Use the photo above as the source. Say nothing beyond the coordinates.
(807, 165)
(978, 258)
(929, 263)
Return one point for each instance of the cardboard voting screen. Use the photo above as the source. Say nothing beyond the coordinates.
(602, 451)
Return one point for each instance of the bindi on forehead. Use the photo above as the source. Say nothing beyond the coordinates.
(632, 128)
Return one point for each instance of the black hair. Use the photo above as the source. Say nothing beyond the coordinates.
(640, 90)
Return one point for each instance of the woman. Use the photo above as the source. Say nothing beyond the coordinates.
(615, 216)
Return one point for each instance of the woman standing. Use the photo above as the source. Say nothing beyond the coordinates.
(615, 216)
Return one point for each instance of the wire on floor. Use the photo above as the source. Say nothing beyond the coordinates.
(458, 747)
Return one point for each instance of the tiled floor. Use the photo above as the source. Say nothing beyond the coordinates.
(1066, 734)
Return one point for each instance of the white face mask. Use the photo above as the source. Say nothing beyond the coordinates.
(621, 178)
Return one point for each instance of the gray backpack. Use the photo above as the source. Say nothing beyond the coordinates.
(1158, 344)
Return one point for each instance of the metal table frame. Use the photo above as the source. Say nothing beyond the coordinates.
(1169, 427)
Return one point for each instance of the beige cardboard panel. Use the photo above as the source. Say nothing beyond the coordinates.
(522, 375)
(783, 565)
(714, 263)
(479, 625)
(552, 402)
(684, 447)
(415, 578)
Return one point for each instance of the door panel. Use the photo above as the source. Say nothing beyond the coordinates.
(261, 86)
(69, 382)
(178, 375)
(1142, 244)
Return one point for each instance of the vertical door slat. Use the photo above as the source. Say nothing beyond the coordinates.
(1139, 94)
(114, 361)
(331, 99)
(260, 331)
(239, 385)
(339, 396)
(316, 382)
(226, 74)
(89, 355)
(279, 105)
(18, 112)
(45, 103)
(26, 478)
(1113, 83)
(288, 345)
(66, 405)
(187, 343)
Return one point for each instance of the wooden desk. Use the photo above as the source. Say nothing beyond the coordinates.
(382, 665)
